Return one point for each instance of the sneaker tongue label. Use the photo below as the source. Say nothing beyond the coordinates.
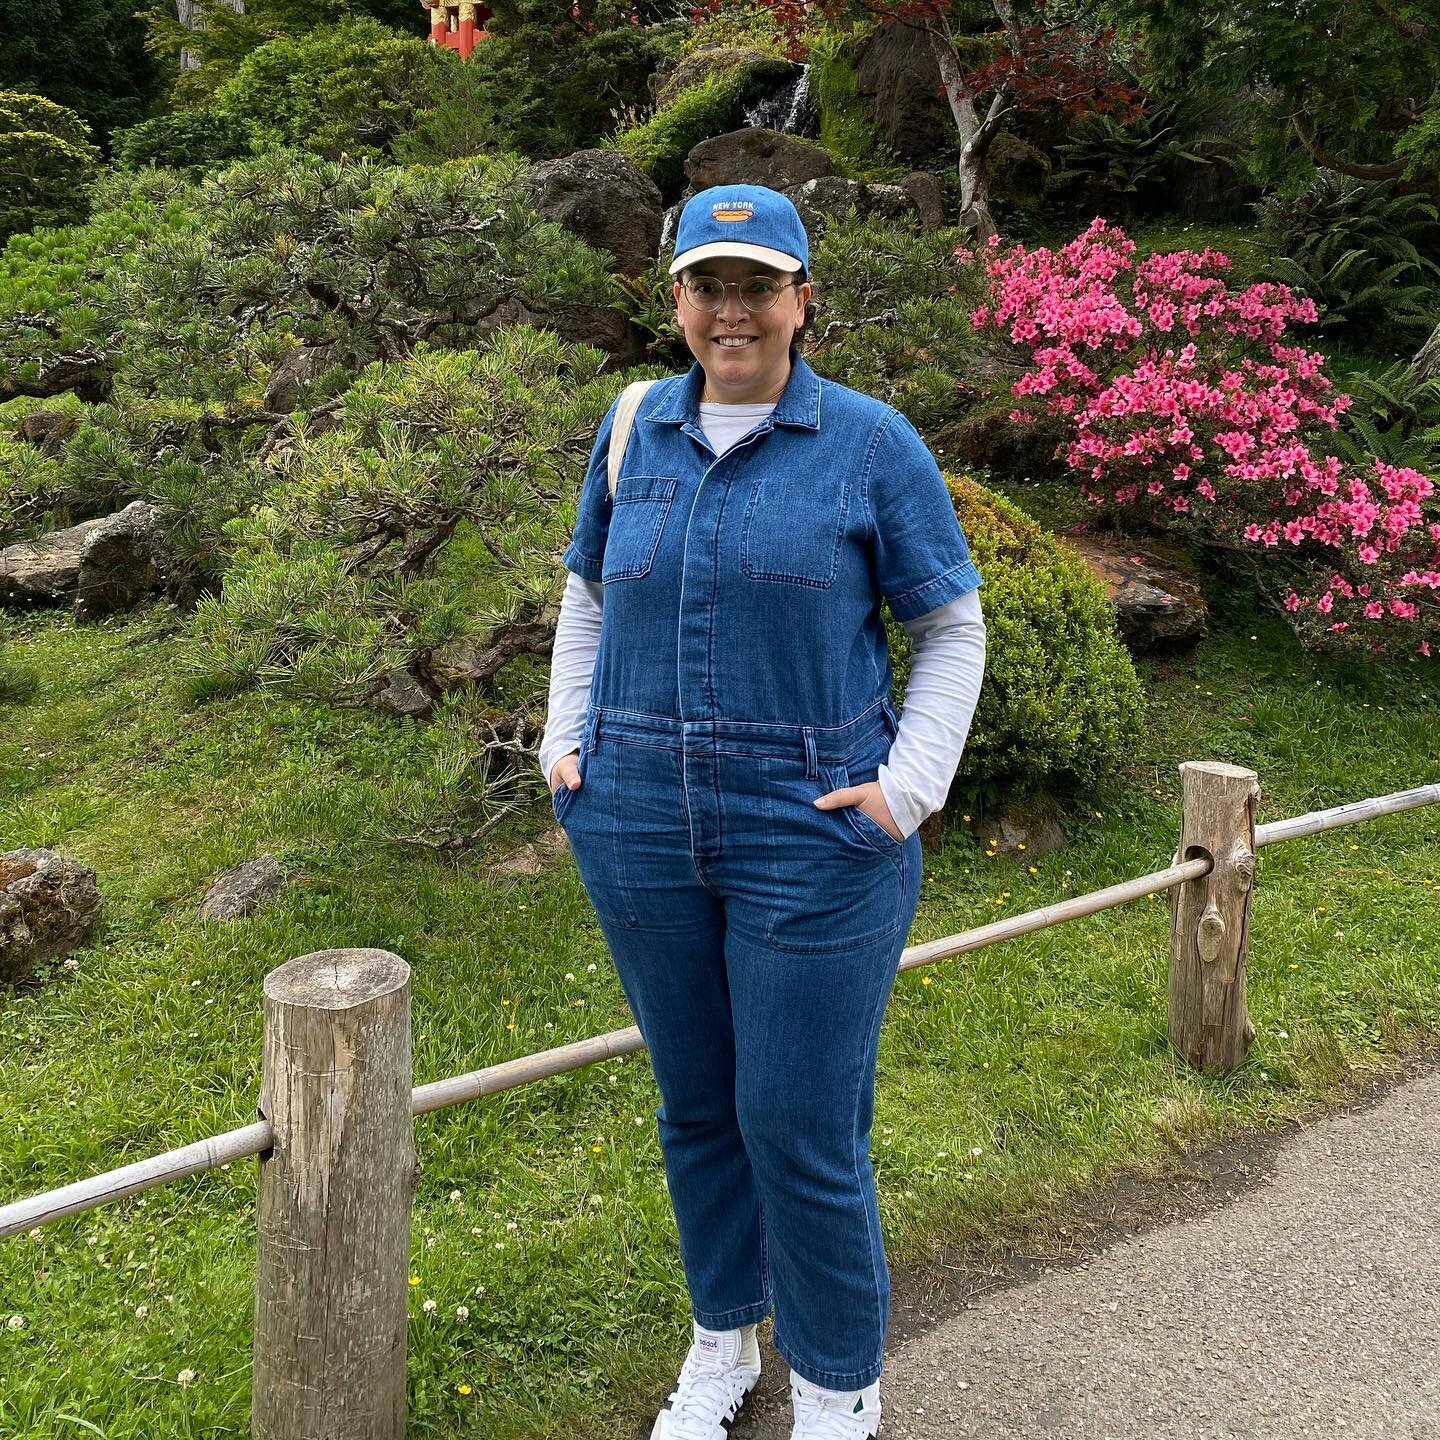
(709, 1344)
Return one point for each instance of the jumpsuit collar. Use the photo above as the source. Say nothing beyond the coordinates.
(799, 402)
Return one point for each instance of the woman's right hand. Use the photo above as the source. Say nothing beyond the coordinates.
(565, 771)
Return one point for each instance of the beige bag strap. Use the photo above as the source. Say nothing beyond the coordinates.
(628, 404)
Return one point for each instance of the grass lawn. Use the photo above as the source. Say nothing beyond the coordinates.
(1008, 1077)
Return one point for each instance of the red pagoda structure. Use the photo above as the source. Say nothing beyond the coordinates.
(457, 24)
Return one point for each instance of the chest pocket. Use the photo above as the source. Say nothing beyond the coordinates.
(792, 528)
(640, 505)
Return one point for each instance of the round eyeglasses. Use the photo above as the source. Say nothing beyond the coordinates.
(759, 292)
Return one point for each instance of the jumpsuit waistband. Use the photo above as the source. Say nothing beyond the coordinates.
(812, 743)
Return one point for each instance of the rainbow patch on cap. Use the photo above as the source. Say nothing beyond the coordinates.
(732, 210)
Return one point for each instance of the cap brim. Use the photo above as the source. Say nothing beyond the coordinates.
(776, 259)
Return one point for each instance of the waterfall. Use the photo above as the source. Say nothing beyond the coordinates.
(789, 110)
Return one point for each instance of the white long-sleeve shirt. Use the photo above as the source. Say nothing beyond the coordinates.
(946, 668)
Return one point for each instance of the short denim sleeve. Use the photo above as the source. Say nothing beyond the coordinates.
(586, 552)
(921, 558)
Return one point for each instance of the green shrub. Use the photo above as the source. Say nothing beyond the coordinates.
(915, 345)
(47, 162)
(349, 88)
(534, 92)
(1061, 707)
(57, 286)
(1132, 165)
(188, 140)
(1394, 417)
(437, 509)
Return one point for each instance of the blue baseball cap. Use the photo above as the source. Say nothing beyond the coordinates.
(751, 221)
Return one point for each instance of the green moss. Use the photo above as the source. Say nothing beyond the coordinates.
(715, 105)
(846, 130)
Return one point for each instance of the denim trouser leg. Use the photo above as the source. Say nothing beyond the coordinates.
(757, 939)
(675, 982)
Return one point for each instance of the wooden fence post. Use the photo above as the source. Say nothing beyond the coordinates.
(1210, 917)
(334, 1202)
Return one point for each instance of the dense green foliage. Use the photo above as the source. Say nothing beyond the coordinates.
(899, 307)
(1061, 706)
(347, 572)
(189, 140)
(58, 287)
(347, 88)
(88, 55)
(1335, 81)
(46, 163)
(1363, 251)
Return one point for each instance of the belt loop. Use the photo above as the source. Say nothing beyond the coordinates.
(594, 731)
(892, 720)
(812, 771)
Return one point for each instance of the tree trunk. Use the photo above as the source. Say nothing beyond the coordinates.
(1426, 364)
(976, 135)
(191, 14)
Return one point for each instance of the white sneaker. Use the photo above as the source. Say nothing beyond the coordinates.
(717, 1377)
(822, 1414)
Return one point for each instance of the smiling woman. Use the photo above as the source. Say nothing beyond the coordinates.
(740, 317)
(742, 801)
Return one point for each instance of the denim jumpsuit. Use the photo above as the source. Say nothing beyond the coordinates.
(743, 671)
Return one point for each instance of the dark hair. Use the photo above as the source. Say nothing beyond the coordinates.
(799, 277)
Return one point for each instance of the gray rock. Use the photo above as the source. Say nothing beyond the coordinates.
(46, 569)
(1158, 598)
(125, 557)
(898, 79)
(48, 430)
(294, 372)
(1016, 168)
(831, 198)
(49, 907)
(1020, 832)
(243, 889)
(400, 693)
(755, 157)
(605, 199)
(927, 198)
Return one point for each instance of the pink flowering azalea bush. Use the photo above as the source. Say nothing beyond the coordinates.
(1183, 405)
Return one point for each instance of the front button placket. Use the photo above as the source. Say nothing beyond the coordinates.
(699, 581)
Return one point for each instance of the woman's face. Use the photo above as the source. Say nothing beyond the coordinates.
(758, 369)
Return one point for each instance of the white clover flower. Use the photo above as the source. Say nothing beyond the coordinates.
(141, 1311)
(429, 1307)
(454, 1196)
(569, 974)
(590, 968)
(511, 1225)
(186, 1377)
(429, 1242)
(977, 1150)
(461, 1312)
(15, 1322)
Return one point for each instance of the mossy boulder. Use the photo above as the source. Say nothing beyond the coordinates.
(673, 76)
